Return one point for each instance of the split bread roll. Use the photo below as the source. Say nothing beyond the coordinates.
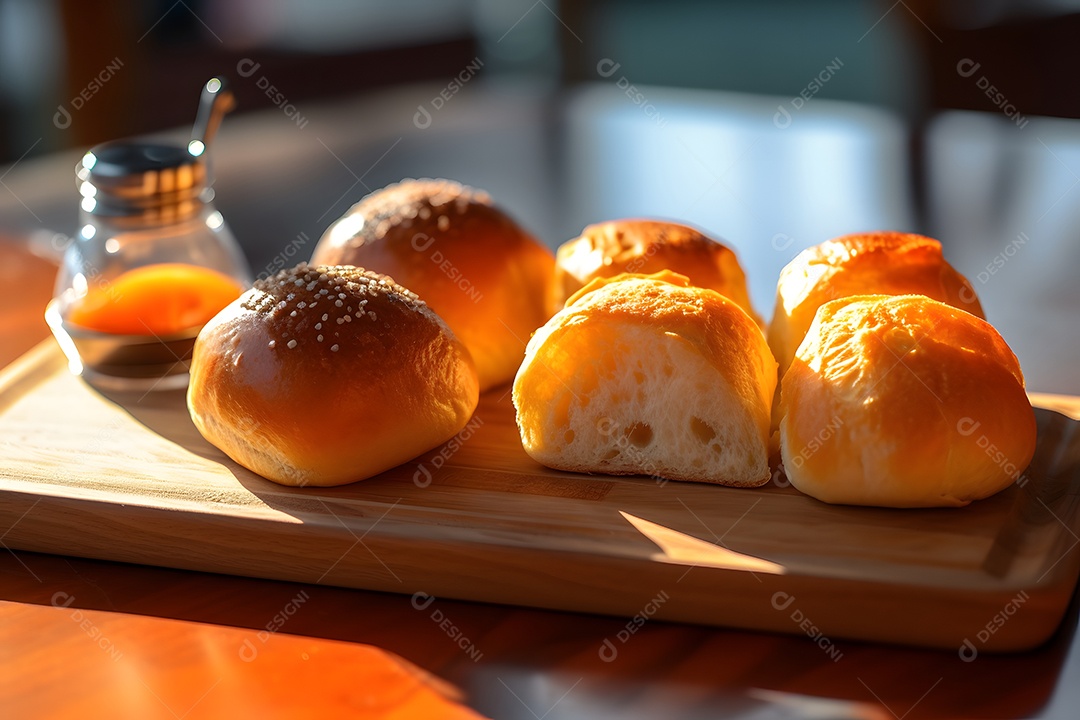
(649, 375)
(480, 271)
(644, 247)
(888, 263)
(903, 401)
(328, 375)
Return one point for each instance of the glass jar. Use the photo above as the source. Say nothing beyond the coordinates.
(153, 260)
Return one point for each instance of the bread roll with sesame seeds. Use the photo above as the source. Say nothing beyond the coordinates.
(328, 375)
(488, 278)
(903, 401)
(649, 375)
(644, 247)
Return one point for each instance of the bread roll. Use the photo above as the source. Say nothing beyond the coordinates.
(649, 375)
(903, 401)
(645, 247)
(890, 263)
(327, 375)
(480, 271)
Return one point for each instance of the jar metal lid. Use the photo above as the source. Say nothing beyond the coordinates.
(136, 175)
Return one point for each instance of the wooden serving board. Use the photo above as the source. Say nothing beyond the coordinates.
(128, 478)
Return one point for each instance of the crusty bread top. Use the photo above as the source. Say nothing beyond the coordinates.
(644, 247)
(401, 205)
(879, 404)
(891, 263)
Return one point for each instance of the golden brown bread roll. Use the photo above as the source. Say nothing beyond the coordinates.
(644, 247)
(328, 375)
(903, 401)
(649, 375)
(480, 271)
(890, 263)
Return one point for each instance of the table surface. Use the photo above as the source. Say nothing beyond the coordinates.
(78, 636)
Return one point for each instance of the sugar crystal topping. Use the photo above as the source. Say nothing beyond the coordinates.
(403, 203)
(286, 300)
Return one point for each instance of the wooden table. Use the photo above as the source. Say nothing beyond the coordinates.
(81, 637)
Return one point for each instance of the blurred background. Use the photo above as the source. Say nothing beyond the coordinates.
(773, 125)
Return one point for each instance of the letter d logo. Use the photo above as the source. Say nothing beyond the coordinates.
(608, 652)
(422, 477)
(62, 118)
(607, 67)
(782, 600)
(62, 599)
(782, 118)
(248, 651)
(782, 241)
(967, 426)
(967, 67)
(421, 242)
(422, 118)
(421, 600)
(247, 67)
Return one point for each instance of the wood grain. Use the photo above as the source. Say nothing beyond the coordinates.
(665, 670)
(129, 666)
(128, 478)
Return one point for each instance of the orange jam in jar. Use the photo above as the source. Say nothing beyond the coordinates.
(155, 300)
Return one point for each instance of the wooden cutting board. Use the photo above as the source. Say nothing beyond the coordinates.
(128, 478)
